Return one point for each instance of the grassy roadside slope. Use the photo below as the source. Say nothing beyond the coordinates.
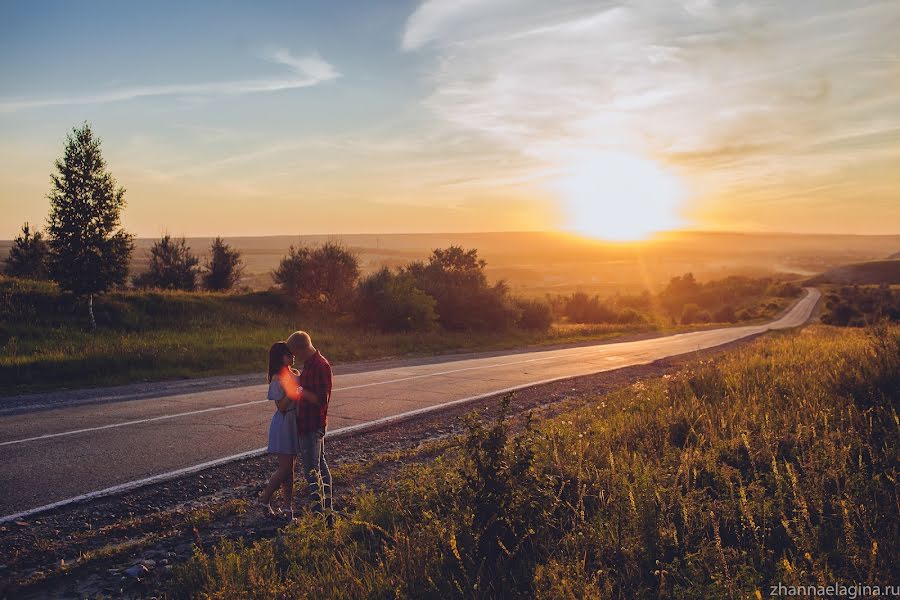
(146, 336)
(45, 342)
(775, 463)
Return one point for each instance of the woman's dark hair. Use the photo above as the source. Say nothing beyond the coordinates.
(276, 363)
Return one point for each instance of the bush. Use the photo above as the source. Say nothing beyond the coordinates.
(28, 255)
(455, 278)
(534, 314)
(392, 302)
(324, 275)
(858, 305)
(785, 289)
(629, 316)
(581, 308)
(745, 314)
(691, 313)
(725, 314)
(172, 266)
(224, 268)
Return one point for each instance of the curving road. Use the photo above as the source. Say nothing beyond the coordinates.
(72, 451)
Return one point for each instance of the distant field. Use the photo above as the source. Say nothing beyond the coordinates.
(536, 263)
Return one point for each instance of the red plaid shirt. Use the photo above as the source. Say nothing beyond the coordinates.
(316, 378)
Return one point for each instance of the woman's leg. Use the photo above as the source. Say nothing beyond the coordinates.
(286, 461)
(277, 477)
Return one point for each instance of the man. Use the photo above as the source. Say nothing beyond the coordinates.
(312, 413)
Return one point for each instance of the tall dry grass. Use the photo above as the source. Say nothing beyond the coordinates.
(776, 463)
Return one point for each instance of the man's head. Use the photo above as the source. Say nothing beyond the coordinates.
(300, 345)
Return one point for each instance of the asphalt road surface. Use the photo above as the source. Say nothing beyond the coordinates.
(51, 456)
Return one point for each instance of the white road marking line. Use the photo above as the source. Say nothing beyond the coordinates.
(123, 487)
(556, 354)
(125, 423)
(130, 485)
(241, 404)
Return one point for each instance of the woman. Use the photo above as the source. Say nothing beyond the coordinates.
(284, 390)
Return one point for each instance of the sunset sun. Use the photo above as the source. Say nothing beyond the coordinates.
(619, 196)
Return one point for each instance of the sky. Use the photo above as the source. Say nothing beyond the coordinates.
(611, 119)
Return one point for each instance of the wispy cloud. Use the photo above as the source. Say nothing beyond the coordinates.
(304, 71)
(721, 89)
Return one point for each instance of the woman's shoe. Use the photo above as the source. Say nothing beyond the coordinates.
(265, 508)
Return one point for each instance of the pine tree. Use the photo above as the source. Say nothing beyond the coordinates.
(89, 252)
(28, 256)
(172, 266)
(224, 268)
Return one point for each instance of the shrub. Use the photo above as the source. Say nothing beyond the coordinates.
(680, 291)
(455, 278)
(858, 305)
(581, 308)
(28, 255)
(691, 313)
(392, 302)
(534, 314)
(785, 289)
(325, 275)
(224, 268)
(725, 314)
(172, 266)
(629, 316)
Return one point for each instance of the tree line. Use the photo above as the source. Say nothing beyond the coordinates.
(86, 252)
(448, 290)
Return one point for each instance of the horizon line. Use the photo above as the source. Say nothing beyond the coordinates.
(653, 237)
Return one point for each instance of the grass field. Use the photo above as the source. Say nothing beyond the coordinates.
(776, 463)
(146, 336)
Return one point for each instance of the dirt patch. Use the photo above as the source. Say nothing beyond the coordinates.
(126, 545)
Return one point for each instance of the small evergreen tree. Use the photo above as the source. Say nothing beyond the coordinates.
(172, 266)
(89, 252)
(28, 256)
(293, 271)
(224, 268)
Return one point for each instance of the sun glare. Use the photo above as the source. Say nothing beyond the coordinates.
(617, 196)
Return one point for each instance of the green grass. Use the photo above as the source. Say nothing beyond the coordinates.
(775, 463)
(46, 343)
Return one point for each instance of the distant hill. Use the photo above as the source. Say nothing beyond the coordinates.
(537, 263)
(894, 256)
(866, 273)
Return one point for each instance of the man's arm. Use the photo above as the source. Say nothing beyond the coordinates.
(318, 392)
(310, 396)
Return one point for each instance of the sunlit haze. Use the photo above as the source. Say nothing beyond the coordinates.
(606, 119)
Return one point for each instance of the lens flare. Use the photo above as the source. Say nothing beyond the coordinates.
(289, 384)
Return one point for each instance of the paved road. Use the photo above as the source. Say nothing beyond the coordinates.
(55, 455)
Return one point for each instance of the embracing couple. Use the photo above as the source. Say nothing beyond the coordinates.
(298, 425)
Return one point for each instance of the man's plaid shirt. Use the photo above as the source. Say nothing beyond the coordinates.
(316, 378)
